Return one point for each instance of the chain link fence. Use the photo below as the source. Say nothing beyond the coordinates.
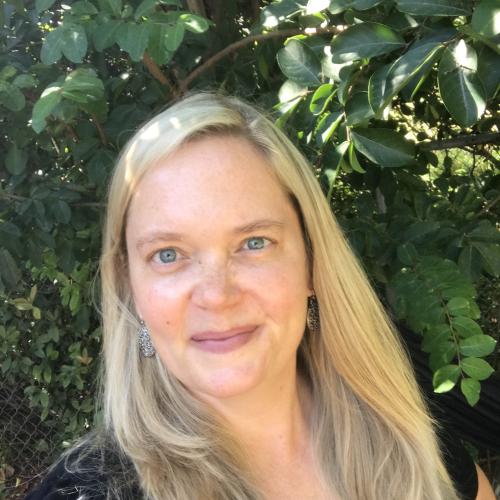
(27, 446)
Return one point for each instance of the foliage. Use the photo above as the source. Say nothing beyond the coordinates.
(373, 92)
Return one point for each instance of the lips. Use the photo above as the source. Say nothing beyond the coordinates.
(224, 341)
(214, 335)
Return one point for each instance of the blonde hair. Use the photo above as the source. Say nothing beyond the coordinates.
(373, 435)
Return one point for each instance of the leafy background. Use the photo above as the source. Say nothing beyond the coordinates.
(394, 103)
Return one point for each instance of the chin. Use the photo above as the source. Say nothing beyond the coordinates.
(227, 383)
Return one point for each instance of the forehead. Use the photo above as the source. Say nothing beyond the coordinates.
(211, 179)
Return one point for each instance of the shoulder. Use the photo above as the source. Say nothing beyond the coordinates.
(71, 477)
(88, 472)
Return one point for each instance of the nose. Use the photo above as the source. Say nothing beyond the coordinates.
(216, 285)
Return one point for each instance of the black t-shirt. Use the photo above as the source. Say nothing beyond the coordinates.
(64, 484)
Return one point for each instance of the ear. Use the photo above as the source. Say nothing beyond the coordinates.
(137, 311)
(310, 286)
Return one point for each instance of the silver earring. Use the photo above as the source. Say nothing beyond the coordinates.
(312, 318)
(145, 345)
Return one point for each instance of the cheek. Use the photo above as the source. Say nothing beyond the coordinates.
(158, 301)
(282, 288)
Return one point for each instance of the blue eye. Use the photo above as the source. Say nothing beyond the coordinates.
(257, 243)
(167, 256)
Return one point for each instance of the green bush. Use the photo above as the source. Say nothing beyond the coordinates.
(392, 101)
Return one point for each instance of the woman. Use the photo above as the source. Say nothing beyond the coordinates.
(245, 354)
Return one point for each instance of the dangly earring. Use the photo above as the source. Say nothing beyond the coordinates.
(312, 318)
(145, 344)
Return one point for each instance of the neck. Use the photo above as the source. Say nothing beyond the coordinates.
(272, 419)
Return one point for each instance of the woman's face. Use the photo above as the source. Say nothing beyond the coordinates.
(218, 267)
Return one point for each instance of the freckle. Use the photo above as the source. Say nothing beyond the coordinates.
(168, 322)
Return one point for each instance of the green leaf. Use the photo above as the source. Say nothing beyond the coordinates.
(112, 6)
(458, 306)
(44, 399)
(358, 109)
(407, 254)
(488, 70)
(385, 147)
(37, 313)
(50, 98)
(7, 72)
(315, 6)
(477, 345)
(486, 18)
(364, 40)
(24, 81)
(334, 159)
(469, 262)
(41, 5)
(133, 38)
(52, 46)
(388, 80)
(338, 6)
(16, 160)
(470, 389)
(435, 336)
(330, 174)
(157, 46)
(83, 8)
(353, 160)
(47, 374)
(61, 211)
(11, 97)
(105, 35)
(441, 355)
(84, 88)
(174, 36)
(145, 8)
(484, 232)
(299, 63)
(276, 12)
(420, 229)
(465, 326)
(37, 372)
(434, 7)
(477, 368)
(9, 271)
(194, 23)
(459, 86)
(74, 303)
(321, 97)
(9, 230)
(75, 43)
(327, 126)
(69, 40)
(490, 256)
(445, 378)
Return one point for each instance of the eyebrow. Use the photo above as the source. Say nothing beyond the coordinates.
(244, 229)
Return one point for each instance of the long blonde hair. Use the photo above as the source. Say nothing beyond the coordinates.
(373, 435)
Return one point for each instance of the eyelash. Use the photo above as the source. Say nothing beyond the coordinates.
(155, 256)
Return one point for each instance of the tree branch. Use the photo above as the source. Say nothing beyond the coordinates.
(489, 205)
(196, 7)
(461, 141)
(157, 73)
(72, 132)
(212, 61)
(485, 154)
(87, 204)
(100, 130)
(14, 197)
